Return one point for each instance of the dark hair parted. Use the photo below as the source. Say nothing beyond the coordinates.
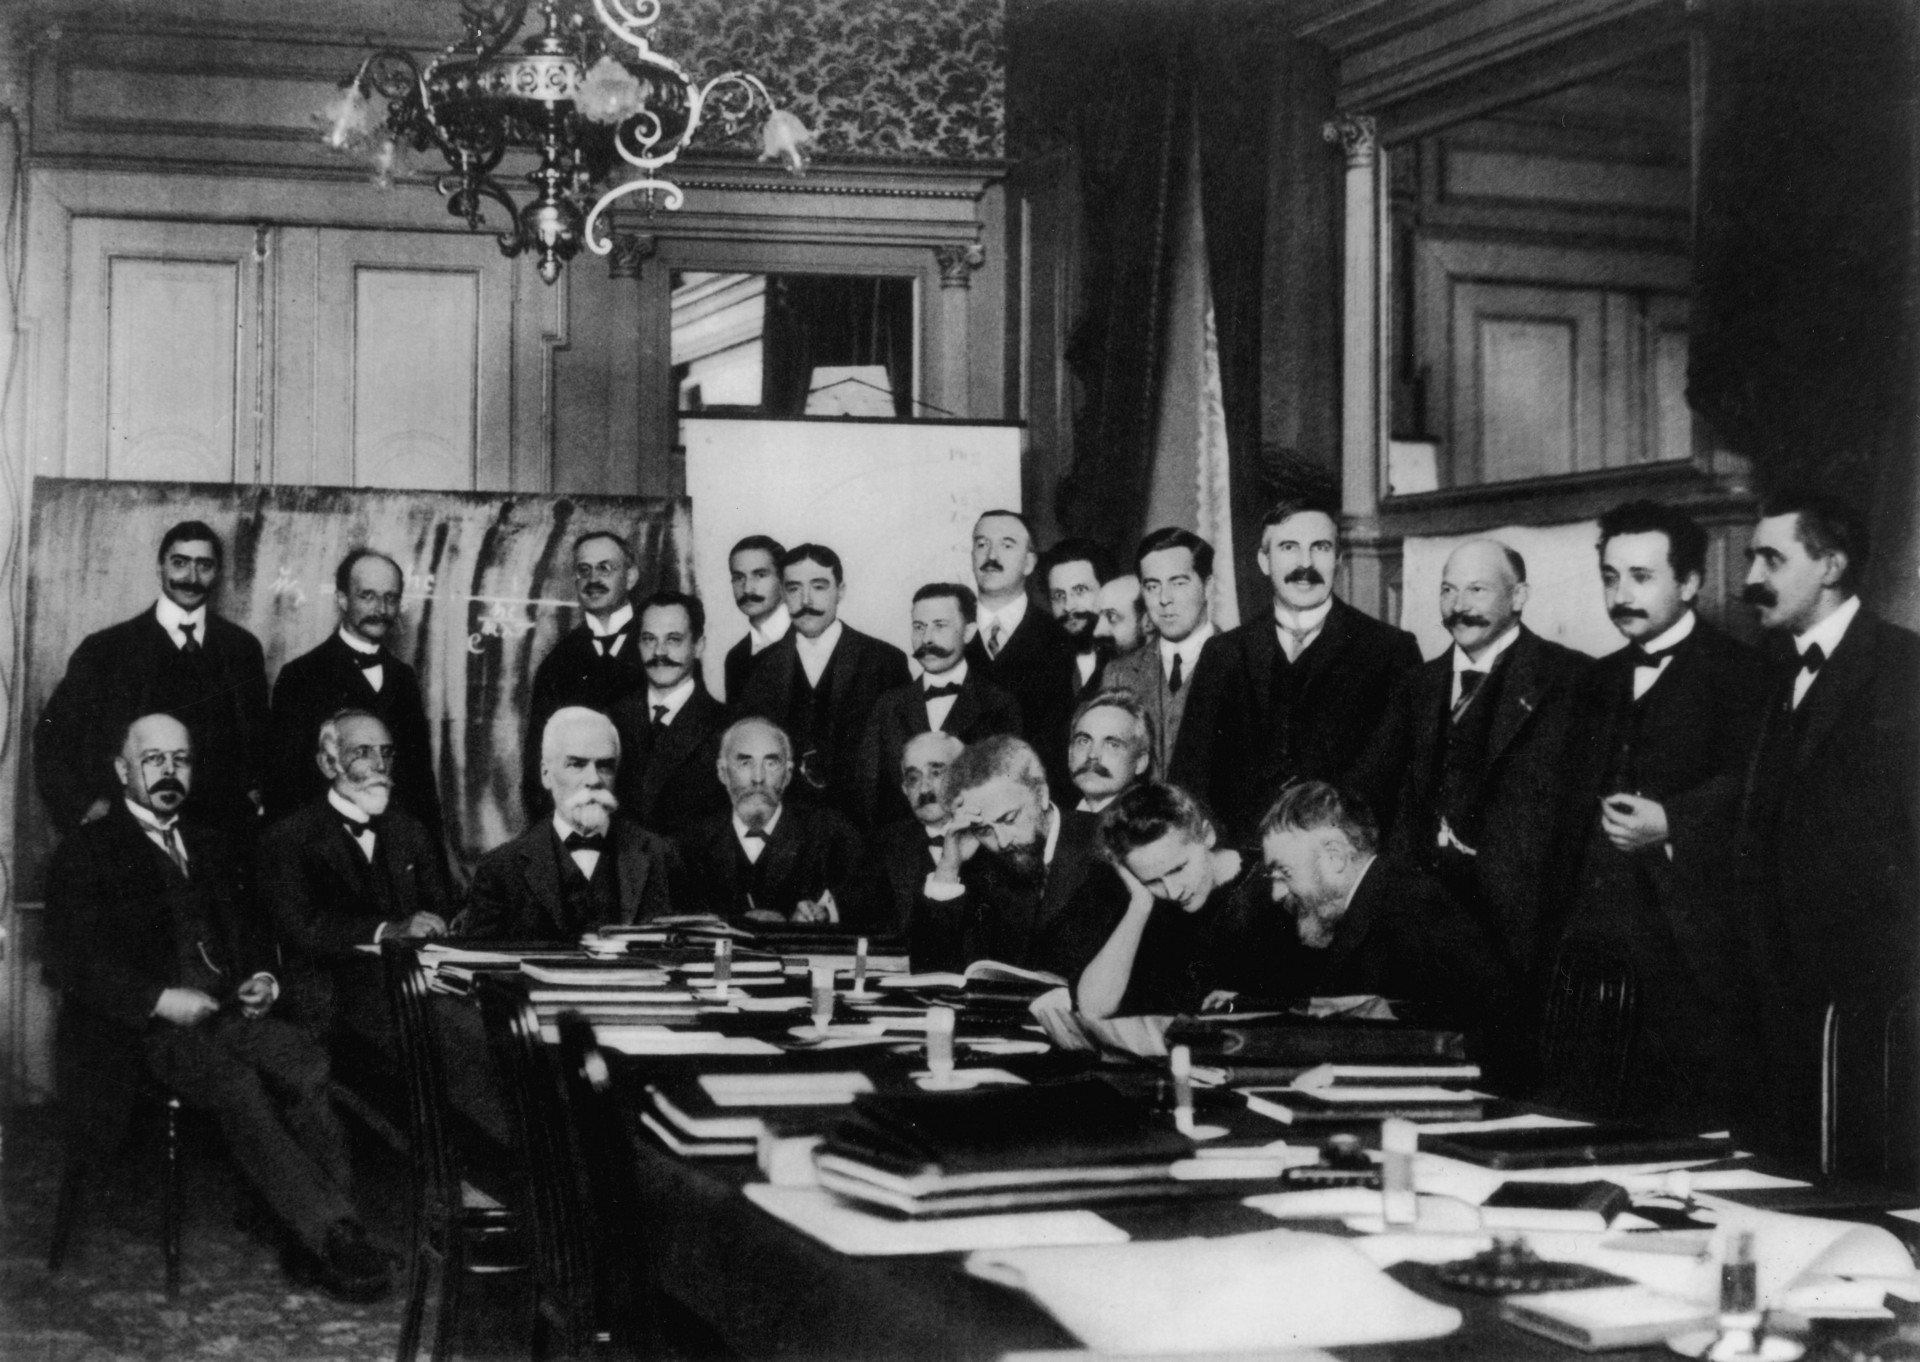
(193, 532)
(1826, 525)
(759, 543)
(962, 596)
(1010, 515)
(1078, 550)
(1309, 805)
(1176, 537)
(1287, 508)
(665, 600)
(813, 553)
(343, 575)
(1686, 541)
(1148, 812)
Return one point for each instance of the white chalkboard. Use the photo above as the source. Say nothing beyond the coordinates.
(895, 499)
(1563, 568)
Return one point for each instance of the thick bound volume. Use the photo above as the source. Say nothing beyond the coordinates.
(1297, 1107)
(1553, 1205)
(1598, 1317)
(1286, 1040)
(1574, 1146)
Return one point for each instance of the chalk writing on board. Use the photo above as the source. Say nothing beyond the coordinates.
(286, 587)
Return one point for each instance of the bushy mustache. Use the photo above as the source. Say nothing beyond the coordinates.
(992, 565)
(1308, 575)
(1093, 766)
(926, 799)
(927, 650)
(1625, 612)
(808, 612)
(166, 785)
(1453, 619)
(1759, 593)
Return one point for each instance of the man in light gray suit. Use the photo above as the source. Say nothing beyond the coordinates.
(1175, 567)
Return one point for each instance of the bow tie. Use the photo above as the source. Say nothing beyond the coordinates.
(366, 662)
(586, 841)
(1642, 658)
(1813, 659)
(355, 828)
(934, 692)
(756, 834)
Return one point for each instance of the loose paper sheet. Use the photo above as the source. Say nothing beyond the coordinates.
(850, 1230)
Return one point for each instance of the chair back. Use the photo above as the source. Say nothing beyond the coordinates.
(434, 1184)
(1589, 1027)
(1870, 1092)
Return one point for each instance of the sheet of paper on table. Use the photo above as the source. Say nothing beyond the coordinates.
(850, 1230)
(660, 1040)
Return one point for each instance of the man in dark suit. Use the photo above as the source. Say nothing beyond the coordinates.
(821, 681)
(1463, 769)
(151, 942)
(1654, 762)
(1176, 573)
(1830, 828)
(581, 867)
(951, 697)
(177, 658)
(354, 669)
(1074, 570)
(769, 859)
(754, 571)
(1295, 696)
(1020, 880)
(347, 869)
(670, 730)
(1022, 650)
(901, 854)
(595, 663)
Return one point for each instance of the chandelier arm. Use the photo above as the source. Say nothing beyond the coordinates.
(463, 193)
(490, 27)
(731, 120)
(629, 19)
(599, 238)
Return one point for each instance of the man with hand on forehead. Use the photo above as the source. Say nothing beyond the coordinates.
(581, 867)
(670, 729)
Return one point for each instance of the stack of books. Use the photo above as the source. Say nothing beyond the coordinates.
(727, 1115)
(1333, 1093)
(605, 990)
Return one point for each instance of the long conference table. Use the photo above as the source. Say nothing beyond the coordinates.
(770, 1291)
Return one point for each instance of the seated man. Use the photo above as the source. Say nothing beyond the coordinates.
(1109, 747)
(347, 869)
(1196, 919)
(557, 879)
(767, 860)
(901, 854)
(150, 939)
(1020, 880)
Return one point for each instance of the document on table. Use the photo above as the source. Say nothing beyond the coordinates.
(850, 1230)
(661, 1040)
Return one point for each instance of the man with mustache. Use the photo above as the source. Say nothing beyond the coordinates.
(754, 569)
(1023, 651)
(670, 730)
(950, 697)
(1176, 566)
(355, 668)
(179, 658)
(350, 867)
(1295, 695)
(821, 682)
(582, 867)
(1120, 623)
(1464, 766)
(1019, 880)
(1111, 749)
(1074, 570)
(1655, 758)
(1830, 834)
(594, 663)
(769, 859)
(152, 941)
(902, 853)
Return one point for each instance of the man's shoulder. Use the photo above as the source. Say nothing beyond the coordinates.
(297, 827)
(122, 635)
(866, 646)
(1364, 629)
(1898, 645)
(634, 838)
(497, 860)
(1552, 661)
(1137, 668)
(816, 825)
(309, 665)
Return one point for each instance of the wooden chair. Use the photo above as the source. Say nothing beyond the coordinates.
(1589, 1028)
(452, 1226)
(81, 1164)
(1882, 1046)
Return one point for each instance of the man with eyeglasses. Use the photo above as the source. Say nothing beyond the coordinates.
(594, 664)
(351, 867)
(356, 668)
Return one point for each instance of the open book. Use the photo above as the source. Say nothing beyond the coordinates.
(979, 972)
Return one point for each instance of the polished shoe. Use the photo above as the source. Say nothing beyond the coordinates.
(351, 1268)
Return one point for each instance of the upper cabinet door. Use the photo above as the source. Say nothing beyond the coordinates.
(164, 351)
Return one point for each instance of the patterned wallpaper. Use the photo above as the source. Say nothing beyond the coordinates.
(887, 78)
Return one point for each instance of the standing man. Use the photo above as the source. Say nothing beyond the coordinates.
(1655, 759)
(1175, 566)
(581, 867)
(754, 569)
(1464, 768)
(670, 731)
(150, 928)
(354, 669)
(1295, 696)
(1830, 826)
(1023, 651)
(593, 664)
(177, 658)
(1120, 625)
(821, 682)
(1074, 570)
(902, 854)
(950, 697)
(1111, 749)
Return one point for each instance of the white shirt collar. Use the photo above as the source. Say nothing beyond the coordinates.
(1672, 636)
(1187, 649)
(615, 622)
(148, 819)
(1053, 833)
(1354, 888)
(1009, 616)
(740, 828)
(1462, 663)
(1830, 630)
(346, 808)
(819, 649)
(674, 699)
(1306, 623)
(171, 617)
(563, 829)
(1088, 805)
(355, 642)
(956, 675)
(770, 630)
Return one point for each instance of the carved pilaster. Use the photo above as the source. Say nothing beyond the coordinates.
(958, 260)
(1358, 136)
(631, 251)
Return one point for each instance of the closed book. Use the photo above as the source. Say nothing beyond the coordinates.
(1574, 1146)
(1297, 1107)
(695, 1147)
(593, 973)
(1553, 1205)
(685, 1105)
(1284, 1039)
(1048, 1195)
(1599, 1317)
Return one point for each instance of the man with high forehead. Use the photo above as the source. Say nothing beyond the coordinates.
(1464, 768)
(901, 854)
(1830, 831)
(355, 668)
(155, 948)
(581, 867)
(1019, 647)
(753, 569)
(1655, 759)
(177, 657)
(1111, 749)
(1295, 694)
(1120, 625)
(670, 728)
(594, 663)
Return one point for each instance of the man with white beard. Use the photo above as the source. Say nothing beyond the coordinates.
(582, 867)
(347, 869)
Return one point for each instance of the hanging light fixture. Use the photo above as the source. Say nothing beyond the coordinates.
(585, 93)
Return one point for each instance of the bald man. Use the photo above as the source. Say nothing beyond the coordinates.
(581, 866)
(1464, 769)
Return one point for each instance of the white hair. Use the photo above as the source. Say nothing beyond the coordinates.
(567, 716)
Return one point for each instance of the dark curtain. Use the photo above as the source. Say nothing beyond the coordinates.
(816, 319)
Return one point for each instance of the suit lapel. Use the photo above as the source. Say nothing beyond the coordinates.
(783, 846)
(1836, 688)
(1519, 695)
(633, 866)
(540, 865)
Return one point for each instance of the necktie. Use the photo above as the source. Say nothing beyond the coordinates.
(1294, 641)
(1176, 678)
(659, 714)
(1813, 659)
(993, 639)
(584, 841)
(1469, 687)
(935, 692)
(366, 662)
(170, 840)
(192, 644)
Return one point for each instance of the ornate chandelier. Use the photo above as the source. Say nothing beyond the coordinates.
(585, 93)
